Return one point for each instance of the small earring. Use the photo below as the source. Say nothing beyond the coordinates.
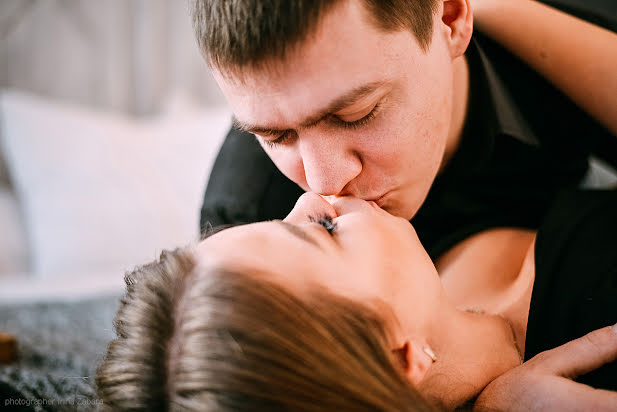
(429, 352)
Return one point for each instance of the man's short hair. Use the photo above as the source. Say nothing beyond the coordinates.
(245, 33)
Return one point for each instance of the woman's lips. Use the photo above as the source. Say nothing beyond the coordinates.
(379, 200)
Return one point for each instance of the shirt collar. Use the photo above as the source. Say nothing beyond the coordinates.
(507, 117)
(491, 112)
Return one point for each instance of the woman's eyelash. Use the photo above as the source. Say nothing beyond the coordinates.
(282, 139)
(325, 221)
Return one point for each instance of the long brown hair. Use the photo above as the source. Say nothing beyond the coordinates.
(227, 341)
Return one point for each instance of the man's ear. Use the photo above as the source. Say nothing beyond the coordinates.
(457, 21)
(414, 359)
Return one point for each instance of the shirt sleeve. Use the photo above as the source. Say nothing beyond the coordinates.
(575, 288)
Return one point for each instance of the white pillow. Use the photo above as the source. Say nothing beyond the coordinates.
(102, 192)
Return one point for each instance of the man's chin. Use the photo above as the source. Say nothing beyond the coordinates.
(397, 209)
(388, 203)
(395, 212)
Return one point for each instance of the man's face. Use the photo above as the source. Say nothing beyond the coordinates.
(353, 110)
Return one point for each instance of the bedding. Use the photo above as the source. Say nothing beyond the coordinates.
(59, 346)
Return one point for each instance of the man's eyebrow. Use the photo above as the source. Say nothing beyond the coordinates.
(337, 104)
(300, 233)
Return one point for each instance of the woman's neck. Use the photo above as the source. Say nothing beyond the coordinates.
(481, 332)
(492, 272)
(472, 349)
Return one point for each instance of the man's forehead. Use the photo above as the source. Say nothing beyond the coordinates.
(346, 54)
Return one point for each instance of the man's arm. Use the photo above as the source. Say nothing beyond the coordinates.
(545, 382)
(578, 57)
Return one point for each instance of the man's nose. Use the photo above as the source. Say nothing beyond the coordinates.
(329, 164)
(310, 205)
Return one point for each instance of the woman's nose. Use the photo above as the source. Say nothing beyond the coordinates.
(349, 204)
(311, 205)
(308, 206)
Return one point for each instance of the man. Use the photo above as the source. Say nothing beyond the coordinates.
(391, 101)
(514, 141)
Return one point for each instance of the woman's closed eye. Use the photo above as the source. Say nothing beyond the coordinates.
(325, 221)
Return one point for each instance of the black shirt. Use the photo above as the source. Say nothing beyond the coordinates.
(523, 142)
(575, 288)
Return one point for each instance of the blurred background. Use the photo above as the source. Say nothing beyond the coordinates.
(109, 124)
(125, 55)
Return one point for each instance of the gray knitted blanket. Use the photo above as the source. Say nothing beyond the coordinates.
(60, 345)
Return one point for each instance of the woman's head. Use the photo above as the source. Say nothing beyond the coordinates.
(312, 313)
(194, 337)
(349, 247)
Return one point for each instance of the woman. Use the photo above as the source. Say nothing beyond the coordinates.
(338, 307)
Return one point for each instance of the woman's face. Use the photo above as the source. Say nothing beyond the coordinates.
(350, 247)
(376, 259)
